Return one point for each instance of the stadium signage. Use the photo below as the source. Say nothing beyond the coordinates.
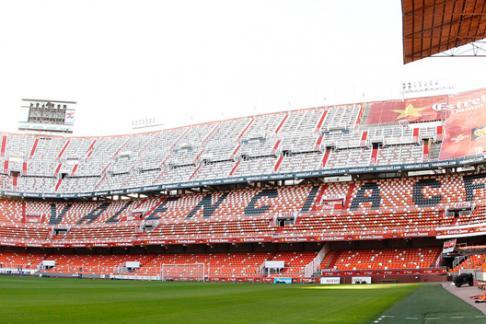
(449, 246)
(282, 176)
(330, 280)
(255, 239)
(361, 280)
(152, 188)
(452, 232)
(478, 132)
(32, 195)
(282, 280)
(349, 273)
(219, 240)
(370, 237)
(12, 193)
(187, 241)
(465, 105)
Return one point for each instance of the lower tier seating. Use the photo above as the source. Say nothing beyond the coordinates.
(172, 266)
(471, 262)
(220, 265)
(381, 259)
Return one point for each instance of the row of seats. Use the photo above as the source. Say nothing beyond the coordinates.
(471, 262)
(300, 140)
(171, 266)
(363, 207)
(128, 172)
(397, 196)
(232, 265)
(381, 259)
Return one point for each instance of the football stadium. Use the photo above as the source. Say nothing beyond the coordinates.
(362, 211)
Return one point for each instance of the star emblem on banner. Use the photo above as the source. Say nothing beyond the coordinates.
(409, 111)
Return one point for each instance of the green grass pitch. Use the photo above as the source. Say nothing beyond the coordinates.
(47, 300)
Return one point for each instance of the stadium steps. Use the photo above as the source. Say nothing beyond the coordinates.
(74, 169)
(330, 259)
(58, 184)
(426, 149)
(282, 122)
(317, 145)
(243, 132)
(278, 163)
(440, 133)
(90, 149)
(374, 154)
(234, 168)
(4, 144)
(58, 168)
(364, 137)
(321, 120)
(34, 148)
(325, 157)
(359, 116)
(64, 148)
(415, 134)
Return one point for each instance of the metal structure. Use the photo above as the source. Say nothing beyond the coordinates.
(475, 49)
(436, 26)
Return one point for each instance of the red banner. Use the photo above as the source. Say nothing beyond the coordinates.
(411, 110)
(449, 246)
(465, 129)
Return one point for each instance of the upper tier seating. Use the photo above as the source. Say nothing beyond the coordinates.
(293, 141)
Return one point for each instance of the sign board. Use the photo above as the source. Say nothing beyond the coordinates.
(282, 280)
(274, 264)
(132, 264)
(47, 115)
(481, 276)
(449, 246)
(330, 280)
(49, 263)
(361, 280)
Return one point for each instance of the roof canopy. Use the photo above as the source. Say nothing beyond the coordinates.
(435, 26)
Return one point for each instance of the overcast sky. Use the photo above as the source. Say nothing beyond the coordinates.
(184, 62)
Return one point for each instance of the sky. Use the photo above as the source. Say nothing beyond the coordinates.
(184, 62)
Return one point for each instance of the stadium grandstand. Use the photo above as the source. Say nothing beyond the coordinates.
(222, 200)
(387, 192)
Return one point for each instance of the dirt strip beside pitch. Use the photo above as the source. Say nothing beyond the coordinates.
(465, 292)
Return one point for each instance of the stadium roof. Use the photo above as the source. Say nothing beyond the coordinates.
(435, 26)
